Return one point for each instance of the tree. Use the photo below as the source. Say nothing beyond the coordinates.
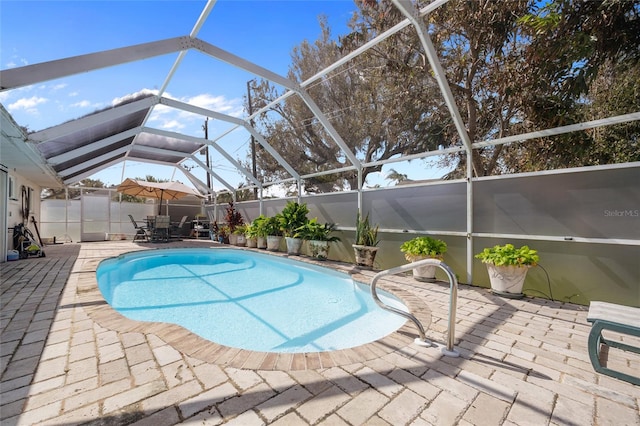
(397, 177)
(363, 102)
(583, 65)
(513, 67)
(74, 190)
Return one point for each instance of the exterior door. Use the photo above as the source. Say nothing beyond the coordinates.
(94, 218)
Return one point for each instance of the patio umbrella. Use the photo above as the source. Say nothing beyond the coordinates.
(157, 190)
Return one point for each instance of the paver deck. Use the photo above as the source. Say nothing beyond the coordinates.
(68, 358)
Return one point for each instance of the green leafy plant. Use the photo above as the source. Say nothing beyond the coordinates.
(240, 229)
(508, 255)
(252, 229)
(271, 225)
(366, 234)
(223, 231)
(292, 217)
(313, 230)
(258, 226)
(423, 246)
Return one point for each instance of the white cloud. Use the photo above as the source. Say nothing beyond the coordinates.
(81, 104)
(15, 61)
(130, 96)
(59, 86)
(172, 125)
(219, 104)
(172, 119)
(72, 94)
(27, 104)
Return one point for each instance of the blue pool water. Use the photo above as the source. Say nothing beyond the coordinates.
(246, 299)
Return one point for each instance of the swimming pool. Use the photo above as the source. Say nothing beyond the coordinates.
(247, 300)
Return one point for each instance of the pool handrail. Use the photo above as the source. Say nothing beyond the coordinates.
(449, 350)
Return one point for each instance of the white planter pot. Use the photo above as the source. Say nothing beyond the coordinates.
(233, 239)
(294, 245)
(507, 280)
(365, 255)
(273, 242)
(252, 242)
(319, 249)
(241, 240)
(425, 273)
(262, 242)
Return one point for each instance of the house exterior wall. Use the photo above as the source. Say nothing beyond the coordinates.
(22, 198)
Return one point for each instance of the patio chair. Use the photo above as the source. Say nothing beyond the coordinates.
(175, 228)
(141, 231)
(161, 228)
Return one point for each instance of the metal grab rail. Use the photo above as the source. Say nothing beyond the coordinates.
(453, 300)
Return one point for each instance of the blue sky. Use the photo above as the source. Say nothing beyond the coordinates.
(262, 31)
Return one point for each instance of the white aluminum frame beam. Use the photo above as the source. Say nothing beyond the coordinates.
(240, 123)
(329, 128)
(176, 64)
(407, 8)
(194, 32)
(31, 74)
(174, 135)
(618, 119)
(214, 174)
(200, 186)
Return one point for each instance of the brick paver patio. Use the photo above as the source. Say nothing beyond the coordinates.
(67, 358)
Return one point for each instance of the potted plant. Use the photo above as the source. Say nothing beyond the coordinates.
(365, 247)
(223, 234)
(273, 230)
(233, 219)
(318, 236)
(424, 247)
(213, 231)
(261, 231)
(292, 217)
(507, 267)
(251, 234)
(239, 233)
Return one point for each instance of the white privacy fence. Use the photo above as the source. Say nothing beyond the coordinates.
(98, 215)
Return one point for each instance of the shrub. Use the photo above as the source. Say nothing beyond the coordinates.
(508, 255)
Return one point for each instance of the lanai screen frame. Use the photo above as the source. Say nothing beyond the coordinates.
(37, 73)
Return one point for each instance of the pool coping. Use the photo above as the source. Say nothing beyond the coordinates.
(90, 298)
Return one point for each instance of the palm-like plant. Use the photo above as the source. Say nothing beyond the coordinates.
(366, 234)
